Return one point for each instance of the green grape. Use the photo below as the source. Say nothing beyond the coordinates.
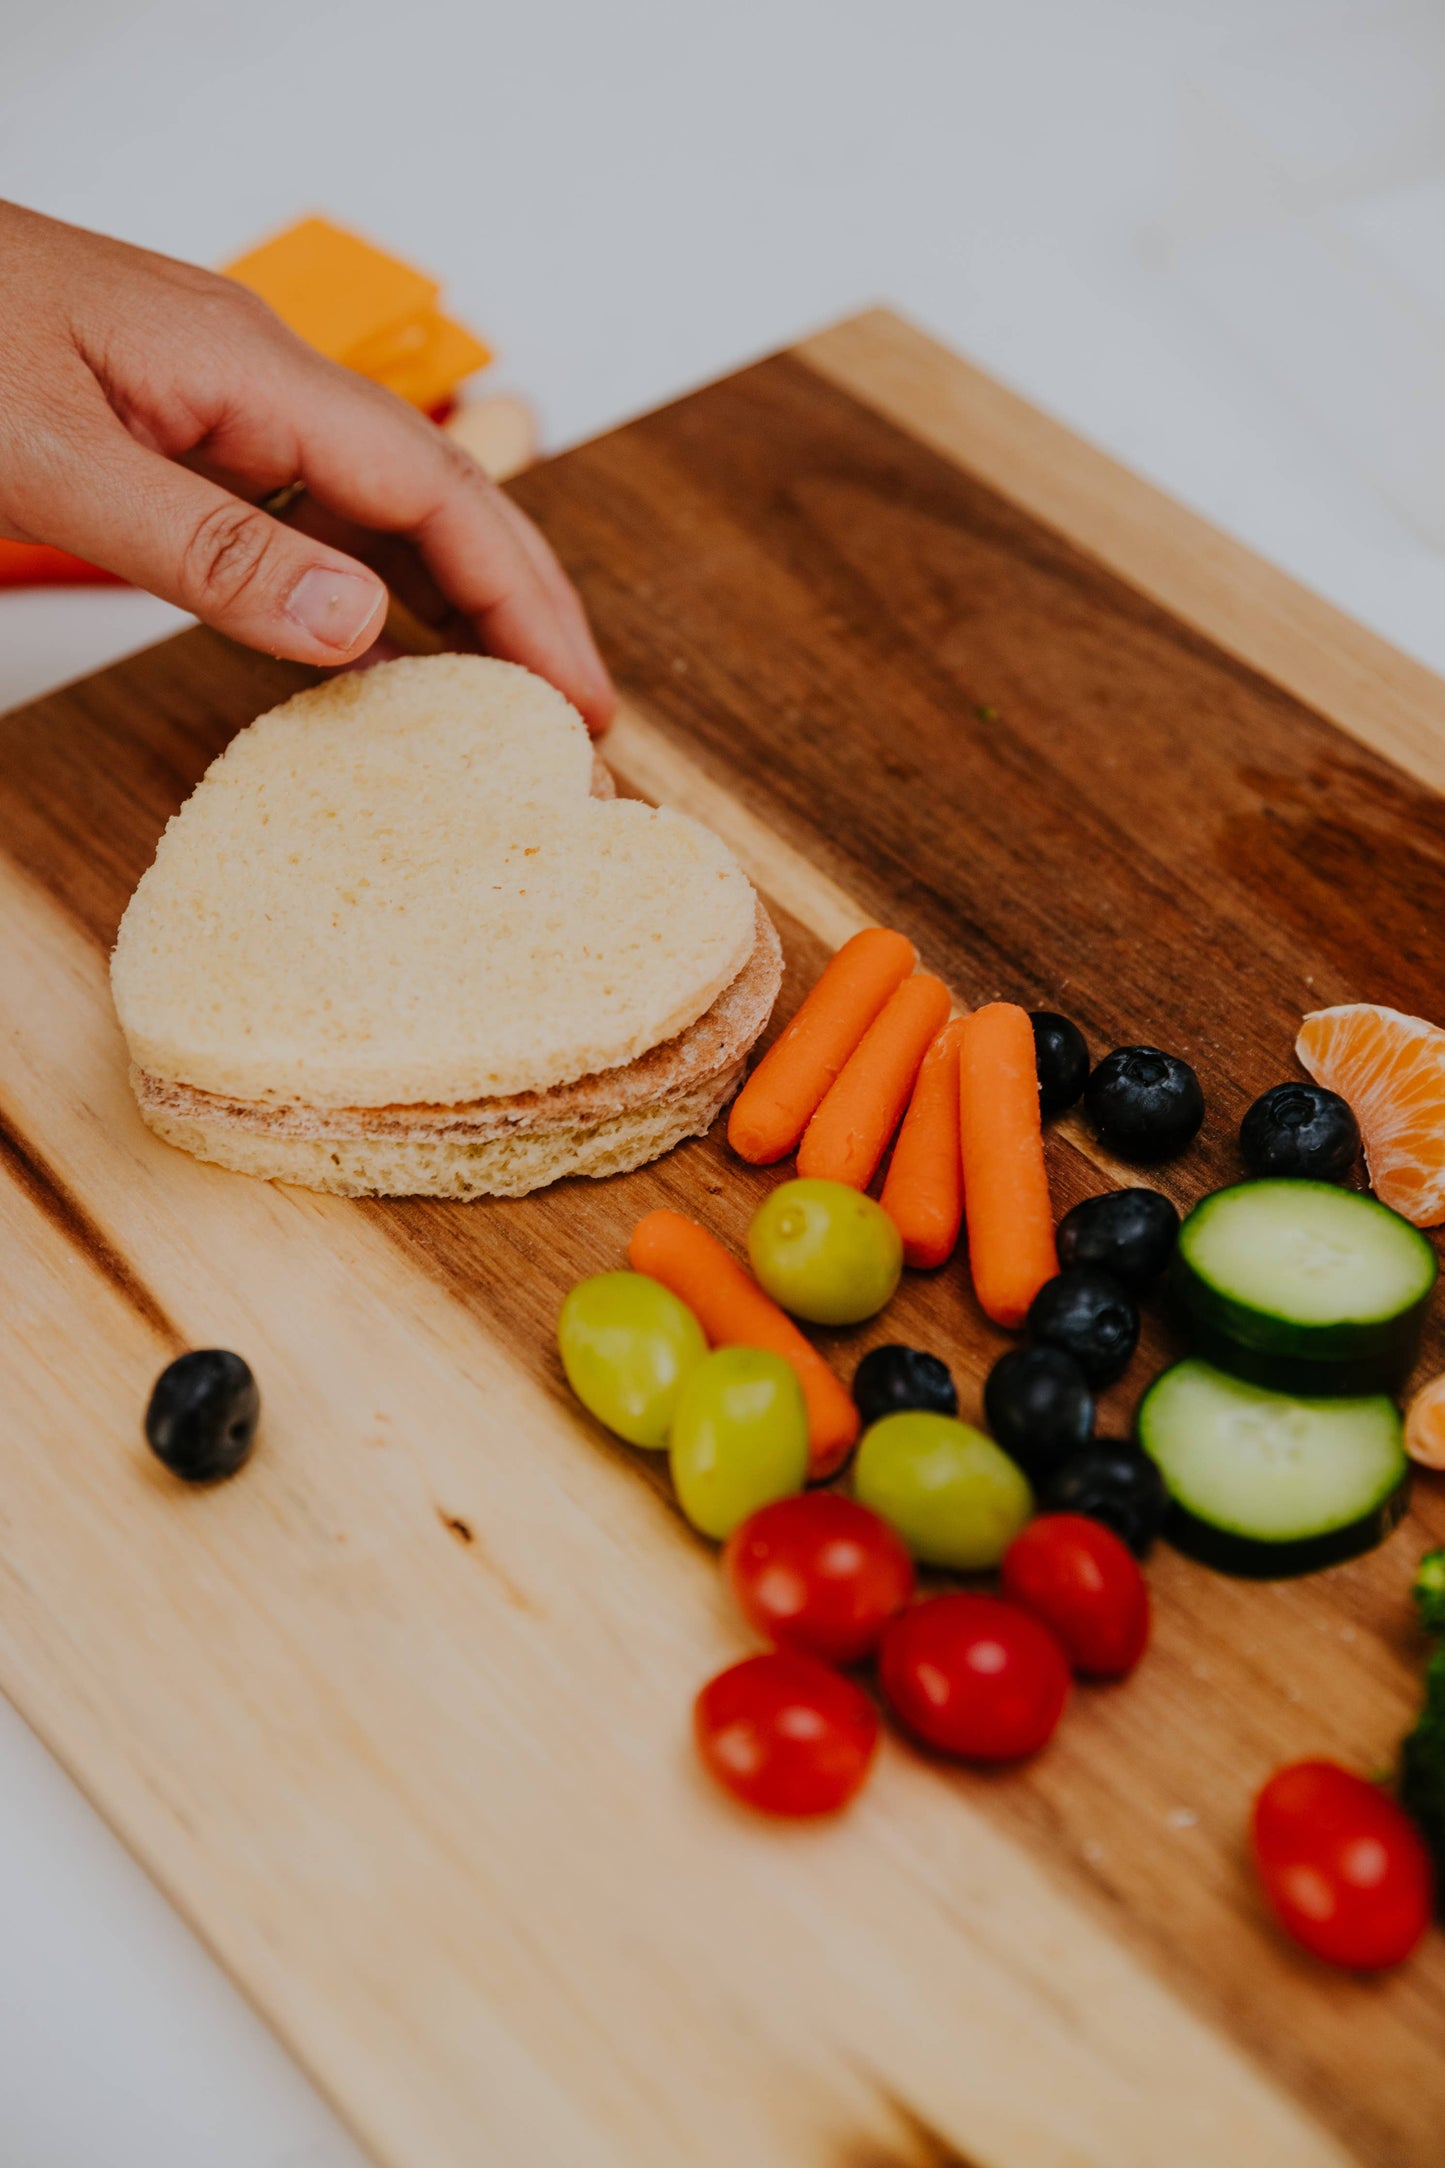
(739, 1437)
(626, 1344)
(826, 1252)
(952, 1495)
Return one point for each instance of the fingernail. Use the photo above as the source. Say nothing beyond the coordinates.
(335, 607)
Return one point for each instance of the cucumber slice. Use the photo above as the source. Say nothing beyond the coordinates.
(1265, 1484)
(1305, 1286)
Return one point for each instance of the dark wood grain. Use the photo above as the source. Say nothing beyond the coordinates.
(1067, 798)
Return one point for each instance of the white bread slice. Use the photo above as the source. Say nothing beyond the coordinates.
(397, 889)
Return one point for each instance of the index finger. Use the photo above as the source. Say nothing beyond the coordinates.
(367, 456)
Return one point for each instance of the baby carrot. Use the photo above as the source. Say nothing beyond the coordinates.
(1005, 1189)
(733, 1311)
(779, 1099)
(923, 1192)
(850, 1131)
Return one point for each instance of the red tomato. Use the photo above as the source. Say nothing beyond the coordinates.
(786, 1734)
(819, 1573)
(1085, 1584)
(974, 1676)
(1345, 1870)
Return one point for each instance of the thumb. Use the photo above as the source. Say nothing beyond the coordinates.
(193, 543)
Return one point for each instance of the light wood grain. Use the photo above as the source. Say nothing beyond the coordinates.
(650, 764)
(399, 1718)
(430, 1798)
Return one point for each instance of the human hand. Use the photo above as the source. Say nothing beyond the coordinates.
(146, 409)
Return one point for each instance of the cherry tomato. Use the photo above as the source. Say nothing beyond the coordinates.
(819, 1573)
(786, 1734)
(974, 1676)
(1085, 1584)
(1345, 1870)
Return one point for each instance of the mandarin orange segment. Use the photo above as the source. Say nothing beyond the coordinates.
(1425, 1425)
(1391, 1069)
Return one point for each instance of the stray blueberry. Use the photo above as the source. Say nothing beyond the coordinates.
(203, 1413)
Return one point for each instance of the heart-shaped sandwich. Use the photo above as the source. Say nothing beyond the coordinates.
(404, 940)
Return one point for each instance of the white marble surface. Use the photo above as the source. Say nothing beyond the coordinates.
(1205, 232)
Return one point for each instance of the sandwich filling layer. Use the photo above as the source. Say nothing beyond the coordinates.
(507, 1165)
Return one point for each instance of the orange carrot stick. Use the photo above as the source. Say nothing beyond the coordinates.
(923, 1192)
(733, 1311)
(1005, 1189)
(850, 1131)
(779, 1099)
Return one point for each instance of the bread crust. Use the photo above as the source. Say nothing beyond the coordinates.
(509, 1165)
(589, 1126)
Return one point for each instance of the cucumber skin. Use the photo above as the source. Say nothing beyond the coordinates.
(1305, 1377)
(1249, 1559)
(1369, 1355)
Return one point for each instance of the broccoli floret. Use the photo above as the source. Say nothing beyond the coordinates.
(1422, 1764)
(1430, 1592)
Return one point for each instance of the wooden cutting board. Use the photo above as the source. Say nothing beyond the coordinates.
(399, 1720)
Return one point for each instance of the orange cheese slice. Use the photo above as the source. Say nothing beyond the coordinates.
(333, 288)
(430, 375)
(395, 347)
(359, 306)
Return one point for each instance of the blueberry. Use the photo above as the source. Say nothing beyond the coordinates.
(203, 1414)
(1038, 1405)
(1090, 1316)
(1143, 1104)
(1300, 1129)
(1130, 1232)
(1113, 1482)
(894, 1377)
(1062, 1058)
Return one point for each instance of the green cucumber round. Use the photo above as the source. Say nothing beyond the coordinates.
(1267, 1484)
(1304, 1286)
